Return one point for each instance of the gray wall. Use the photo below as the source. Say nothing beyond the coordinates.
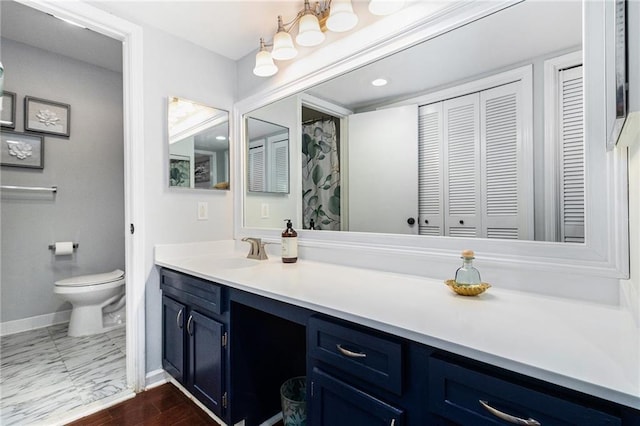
(174, 67)
(88, 170)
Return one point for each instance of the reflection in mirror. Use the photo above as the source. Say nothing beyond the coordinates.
(481, 136)
(198, 145)
(268, 156)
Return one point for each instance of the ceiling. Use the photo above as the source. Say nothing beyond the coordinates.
(231, 28)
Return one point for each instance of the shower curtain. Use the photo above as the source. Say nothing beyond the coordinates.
(320, 175)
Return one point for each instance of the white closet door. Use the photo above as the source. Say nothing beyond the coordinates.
(572, 155)
(383, 166)
(430, 179)
(506, 188)
(279, 163)
(257, 181)
(462, 166)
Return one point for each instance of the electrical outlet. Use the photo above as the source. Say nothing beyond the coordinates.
(264, 212)
(203, 211)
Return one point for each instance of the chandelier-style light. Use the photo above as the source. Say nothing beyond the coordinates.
(334, 15)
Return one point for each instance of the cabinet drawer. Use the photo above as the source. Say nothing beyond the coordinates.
(365, 355)
(194, 291)
(456, 392)
(335, 403)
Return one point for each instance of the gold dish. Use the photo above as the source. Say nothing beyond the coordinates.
(467, 290)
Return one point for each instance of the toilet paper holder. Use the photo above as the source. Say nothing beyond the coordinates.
(53, 246)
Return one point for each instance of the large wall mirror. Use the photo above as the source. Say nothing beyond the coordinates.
(489, 132)
(475, 133)
(198, 145)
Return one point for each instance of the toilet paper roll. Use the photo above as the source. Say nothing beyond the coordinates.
(63, 248)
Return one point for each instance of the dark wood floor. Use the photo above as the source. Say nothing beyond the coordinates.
(164, 405)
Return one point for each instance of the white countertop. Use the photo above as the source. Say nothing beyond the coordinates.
(584, 346)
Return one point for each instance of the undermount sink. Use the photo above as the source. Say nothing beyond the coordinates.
(222, 262)
(235, 262)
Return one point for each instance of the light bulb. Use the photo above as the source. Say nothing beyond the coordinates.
(264, 62)
(341, 16)
(385, 7)
(309, 33)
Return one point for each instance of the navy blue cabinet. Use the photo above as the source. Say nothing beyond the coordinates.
(356, 376)
(337, 403)
(194, 339)
(173, 337)
(206, 360)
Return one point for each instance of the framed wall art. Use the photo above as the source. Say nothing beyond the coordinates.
(43, 116)
(21, 150)
(8, 115)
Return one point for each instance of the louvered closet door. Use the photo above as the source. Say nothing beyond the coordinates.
(462, 166)
(430, 171)
(279, 149)
(257, 179)
(572, 156)
(505, 199)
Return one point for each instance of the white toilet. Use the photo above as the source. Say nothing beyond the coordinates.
(98, 302)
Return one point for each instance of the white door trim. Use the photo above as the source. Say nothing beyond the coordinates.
(133, 123)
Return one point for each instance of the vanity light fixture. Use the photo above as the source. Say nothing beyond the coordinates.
(379, 82)
(221, 138)
(333, 15)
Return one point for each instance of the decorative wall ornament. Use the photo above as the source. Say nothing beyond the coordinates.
(8, 113)
(22, 150)
(19, 149)
(43, 116)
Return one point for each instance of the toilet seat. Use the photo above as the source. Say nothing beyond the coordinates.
(91, 280)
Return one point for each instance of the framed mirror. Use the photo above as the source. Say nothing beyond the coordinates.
(453, 146)
(487, 61)
(198, 142)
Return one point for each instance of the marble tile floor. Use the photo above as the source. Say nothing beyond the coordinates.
(45, 374)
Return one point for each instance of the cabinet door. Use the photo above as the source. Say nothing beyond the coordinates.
(335, 403)
(205, 360)
(173, 337)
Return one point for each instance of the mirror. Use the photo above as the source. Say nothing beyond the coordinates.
(465, 139)
(198, 145)
(268, 157)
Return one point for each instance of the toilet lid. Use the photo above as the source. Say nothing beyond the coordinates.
(92, 279)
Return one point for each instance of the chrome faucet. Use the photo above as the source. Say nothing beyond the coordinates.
(257, 250)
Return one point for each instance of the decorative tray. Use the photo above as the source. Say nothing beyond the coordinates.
(467, 290)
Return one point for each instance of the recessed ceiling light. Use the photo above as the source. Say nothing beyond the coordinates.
(221, 138)
(379, 82)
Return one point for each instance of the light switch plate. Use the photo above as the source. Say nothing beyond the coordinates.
(203, 210)
(264, 213)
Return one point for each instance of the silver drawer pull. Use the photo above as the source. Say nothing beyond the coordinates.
(189, 325)
(507, 417)
(179, 319)
(349, 353)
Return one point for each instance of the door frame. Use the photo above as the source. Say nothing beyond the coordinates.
(133, 131)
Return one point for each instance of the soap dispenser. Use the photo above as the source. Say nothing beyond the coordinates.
(289, 244)
(467, 274)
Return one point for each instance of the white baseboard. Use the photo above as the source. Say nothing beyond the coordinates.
(156, 378)
(198, 403)
(33, 323)
(273, 420)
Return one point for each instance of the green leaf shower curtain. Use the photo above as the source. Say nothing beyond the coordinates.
(320, 175)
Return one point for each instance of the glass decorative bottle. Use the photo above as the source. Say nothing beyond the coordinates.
(467, 274)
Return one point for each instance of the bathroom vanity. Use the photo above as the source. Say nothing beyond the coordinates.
(388, 349)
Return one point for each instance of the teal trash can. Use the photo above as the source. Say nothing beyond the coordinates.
(293, 394)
